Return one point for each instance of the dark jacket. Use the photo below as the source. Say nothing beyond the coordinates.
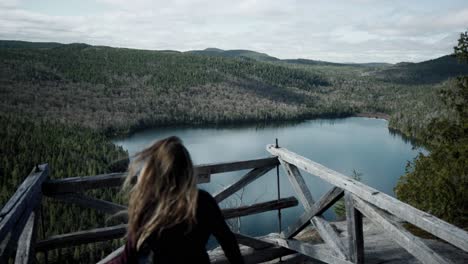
(177, 245)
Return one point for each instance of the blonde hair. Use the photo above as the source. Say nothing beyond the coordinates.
(165, 193)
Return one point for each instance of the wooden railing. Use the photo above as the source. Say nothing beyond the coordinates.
(20, 215)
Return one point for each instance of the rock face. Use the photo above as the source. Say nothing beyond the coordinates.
(378, 247)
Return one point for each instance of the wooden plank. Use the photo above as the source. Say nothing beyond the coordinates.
(203, 172)
(241, 183)
(318, 252)
(235, 165)
(112, 255)
(28, 192)
(89, 202)
(10, 243)
(452, 234)
(26, 243)
(82, 237)
(252, 242)
(79, 184)
(325, 202)
(330, 237)
(355, 233)
(251, 255)
(298, 184)
(118, 231)
(398, 233)
(259, 207)
(326, 231)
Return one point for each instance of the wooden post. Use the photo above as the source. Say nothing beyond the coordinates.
(26, 243)
(355, 234)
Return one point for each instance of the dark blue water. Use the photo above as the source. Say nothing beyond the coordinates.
(361, 144)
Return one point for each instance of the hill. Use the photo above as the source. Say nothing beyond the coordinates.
(235, 54)
(122, 89)
(431, 71)
(118, 90)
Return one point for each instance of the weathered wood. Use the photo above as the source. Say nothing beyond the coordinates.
(26, 243)
(236, 165)
(259, 207)
(203, 172)
(27, 193)
(251, 255)
(112, 255)
(398, 233)
(241, 183)
(330, 237)
(326, 231)
(452, 234)
(118, 231)
(79, 184)
(318, 252)
(325, 202)
(252, 242)
(10, 243)
(355, 233)
(298, 184)
(89, 202)
(82, 237)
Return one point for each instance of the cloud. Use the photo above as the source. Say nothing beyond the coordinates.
(357, 30)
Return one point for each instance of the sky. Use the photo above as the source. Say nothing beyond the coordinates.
(334, 30)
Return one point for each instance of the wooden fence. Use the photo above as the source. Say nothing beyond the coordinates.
(20, 215)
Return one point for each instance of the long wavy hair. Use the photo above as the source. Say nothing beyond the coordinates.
(165, 192)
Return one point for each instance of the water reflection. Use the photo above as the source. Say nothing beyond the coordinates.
(362, 144)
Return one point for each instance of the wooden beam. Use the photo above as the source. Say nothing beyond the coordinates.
(203, 172)
(399, 234)
(112, 255)
(26, 243)
(118, 231)
(252, 242)
(326, 231)
(325, 202)
(330, 237)
(241, 183)
(82, 237)
(452, 234)
(10, 243)
(259, 207)
(25, 195)
(89, 202)
(236, 165)
(79, 184)
(318, 252)
(251, 255)
(355, 233)
(298, 184)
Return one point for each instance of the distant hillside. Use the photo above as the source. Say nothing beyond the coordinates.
(123, 89)
(17, 44)
(119, 90)
(426, 72)
(235, 54)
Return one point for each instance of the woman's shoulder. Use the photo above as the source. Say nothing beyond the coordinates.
(204, 194)
(205, 197)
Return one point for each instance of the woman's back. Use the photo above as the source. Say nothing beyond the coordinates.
(169, 219)
(178, 245)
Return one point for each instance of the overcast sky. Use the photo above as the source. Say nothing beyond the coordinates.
(340, 31)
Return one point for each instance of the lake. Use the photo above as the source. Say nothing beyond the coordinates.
(364, 145)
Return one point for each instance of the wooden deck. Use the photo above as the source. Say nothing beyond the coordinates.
(19, 216)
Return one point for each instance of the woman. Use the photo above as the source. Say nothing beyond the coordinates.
(170, 220)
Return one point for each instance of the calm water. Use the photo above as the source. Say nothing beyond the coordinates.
(361, 144)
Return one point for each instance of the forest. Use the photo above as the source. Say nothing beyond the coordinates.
(62, 104)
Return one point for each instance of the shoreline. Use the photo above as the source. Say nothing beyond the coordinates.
(118, 134)
(374, 115)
